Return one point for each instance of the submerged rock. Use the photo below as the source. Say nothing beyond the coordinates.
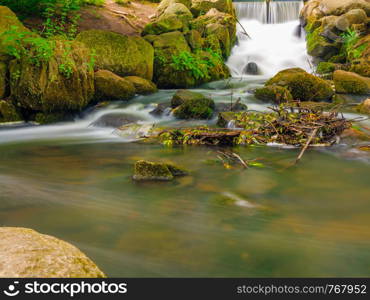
(271, 93)
(109, 86)
(351, 83)
(115, 120)
(122, 55)
(191, 105)
(302, 85)
(27, 253)
(146, 170)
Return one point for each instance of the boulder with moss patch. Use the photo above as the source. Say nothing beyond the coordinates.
(275, 94)
(27, 253)
(146, 170)
(191, 105)
(109, 86)
(351, 83)
(142, 86)
(364, 107)
(201, 7)
(8, 112)
(46, 87)
(302, 85)
(122, 55)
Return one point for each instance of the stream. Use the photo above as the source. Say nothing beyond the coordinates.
(73, 180)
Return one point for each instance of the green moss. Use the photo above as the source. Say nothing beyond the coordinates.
(302, 85)
(195, 109)
(49, 118)
(8, 112)
(276, 94)
(351, 83)
(145, 170)
(142, 86)
(182, 96)
(325, 68)
(361, 67)
(122, 55)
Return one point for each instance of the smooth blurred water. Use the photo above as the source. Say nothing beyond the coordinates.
(73, 181)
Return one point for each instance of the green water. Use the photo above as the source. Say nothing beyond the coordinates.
(308, 220)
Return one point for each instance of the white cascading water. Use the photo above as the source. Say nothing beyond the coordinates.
(274, 46)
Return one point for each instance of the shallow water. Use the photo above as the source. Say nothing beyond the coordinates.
(73, 181)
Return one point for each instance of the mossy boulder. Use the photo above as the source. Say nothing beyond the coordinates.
(201, 7)
(191, 105)
(364, 107)
(109, 86)
(354, 16)
(142, 86)
(46, 88)
(214, 16)
(302, 85)
(182, 96)
(8, 112)
(27, 253)
(276, 94)
(175, 17)
(194, 39)
(146, 170)
(164, 4)
(351, 83)
(222, 34)
(319, 46)
(3, 79)
(122, 55)
(361, 67)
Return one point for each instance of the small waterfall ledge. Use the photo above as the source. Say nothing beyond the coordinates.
(274, 44)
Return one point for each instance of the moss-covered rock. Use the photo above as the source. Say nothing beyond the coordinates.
(27, 253)
(182, 96)
(302, 85)
(351, 83)
(175, 17)
(166, 3)
(201, 7)
(122, 55)
(142, 86)
(361, 67)
(319, 46)
(325, 67)
(364, 107)
(109, 86)
(190, 105)
(354, 16)
(46, 87)
(223, 36)
(3, 79)
(271, 93)
(146, 170)
(49, 118)
(194, 39)
(8, 112)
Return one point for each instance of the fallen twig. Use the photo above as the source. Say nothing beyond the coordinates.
(314, 132)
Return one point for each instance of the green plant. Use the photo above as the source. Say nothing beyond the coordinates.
(24, 44)
(198, 64)
(350, 39)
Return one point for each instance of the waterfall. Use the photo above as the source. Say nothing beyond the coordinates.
(274, 12)
(272, 46)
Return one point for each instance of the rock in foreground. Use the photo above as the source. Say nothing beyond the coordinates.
(27, 253)
(146, 170)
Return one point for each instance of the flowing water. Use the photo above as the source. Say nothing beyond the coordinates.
(73, 180)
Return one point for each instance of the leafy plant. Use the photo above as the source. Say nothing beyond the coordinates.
(24, 44)
(350, 40)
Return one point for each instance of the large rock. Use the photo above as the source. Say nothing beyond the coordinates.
(142, 86)
(109, 86)
(351, 83)
(339, 7)
(201, 7)
(302, 85)
(354, 16)
(27, 253)
(175, 17)
(318, 45)
(191, 105)
(166, 3)
(3, 78)
(45, 88)
(8, 112)
(122, 55)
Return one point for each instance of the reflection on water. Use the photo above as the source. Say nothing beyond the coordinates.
(309, 220)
